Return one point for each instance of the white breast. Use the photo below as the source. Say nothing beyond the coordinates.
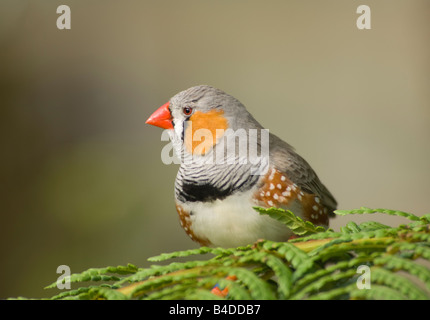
(232, 222)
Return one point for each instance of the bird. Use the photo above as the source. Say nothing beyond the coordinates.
(219, 182)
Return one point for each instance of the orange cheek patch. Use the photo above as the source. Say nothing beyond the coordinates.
(201, 133)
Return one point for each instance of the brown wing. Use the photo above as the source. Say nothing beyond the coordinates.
(299, 172)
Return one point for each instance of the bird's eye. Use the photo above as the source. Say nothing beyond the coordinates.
(187, 111)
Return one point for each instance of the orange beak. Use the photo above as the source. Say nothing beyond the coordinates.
(161, 117)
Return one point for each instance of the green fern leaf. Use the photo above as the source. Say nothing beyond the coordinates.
(418, 249)
(157, 283)
(143, 274)
(293, 222)
(298, 259)
(236, 291)
(372, 225)
(395, 281)
(282, 272)
(364, 210)
(174, 292)
(315, 286)
(351, 227)
(336, 293)
(319, 265)
(317, 236)
(185, 253)
(99, 274)
(337, 267)
(200, 294)
(107, 293)
(395, 263)
(258, 288)
(71, 293)
(377, 292)
(426, 218)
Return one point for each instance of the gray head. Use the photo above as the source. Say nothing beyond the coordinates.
(205, 98)
(201, 118)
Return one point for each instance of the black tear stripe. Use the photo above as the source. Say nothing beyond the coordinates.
(202, 192)
(170, 111)
(183, 128)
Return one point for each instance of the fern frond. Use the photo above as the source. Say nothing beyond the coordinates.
(200, 294)
(425, 218)
(395, 263)
(142, 288)
(258, 288)
(187, 253)
(321, 264)
(172, 292)
(399, 283)
(338, 247)
(310, 278)
(144, 274)
(334, 294)
(281, 271)
(99, 274)
(106, 293)
(377, 293)
(320, 283)
(351, 227)
(236, 291)
(365, 210)
(372, 226)
(294, 223)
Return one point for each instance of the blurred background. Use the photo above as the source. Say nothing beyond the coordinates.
(82, 182)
